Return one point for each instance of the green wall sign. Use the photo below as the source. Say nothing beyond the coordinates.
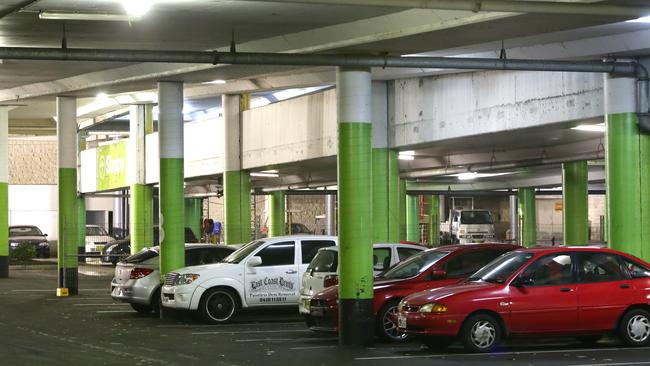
(111, 166)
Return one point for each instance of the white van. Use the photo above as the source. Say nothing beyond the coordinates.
(323, 269)
(262, 273)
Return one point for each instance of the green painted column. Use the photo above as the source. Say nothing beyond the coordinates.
(276, 212)
(628, 170)
(236, 182)
(527, 217)
(575, 199)
(193, 213)
(385, 172)
(141, 194)
(81, 223)
(4, 192)
(67, 262)
(172, 207)
(402, 209)
(353, 101)
(413, 218)
(434, 221)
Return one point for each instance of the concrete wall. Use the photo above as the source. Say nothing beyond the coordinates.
(297, 129)
(549, 217)
(429, 109)
(32, 160)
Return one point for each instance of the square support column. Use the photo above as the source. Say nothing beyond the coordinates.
(276, 212)
(141, 197)
(575, 199)
(4, 192)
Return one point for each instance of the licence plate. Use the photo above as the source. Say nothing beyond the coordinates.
(99, 248)
(305, 304)
(401, 321)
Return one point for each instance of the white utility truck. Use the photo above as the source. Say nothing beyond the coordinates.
(468, 227)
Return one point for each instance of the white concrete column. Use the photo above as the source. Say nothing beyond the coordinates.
(514, 218)
(331, 214)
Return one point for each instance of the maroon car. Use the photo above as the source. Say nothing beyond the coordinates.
(429, 269)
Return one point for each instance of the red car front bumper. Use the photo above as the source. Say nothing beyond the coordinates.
(429, 323)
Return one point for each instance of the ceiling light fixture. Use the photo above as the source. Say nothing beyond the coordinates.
(264, 175)
(467, 176)
(406, 155)
(218, 81)
(591, 128)
(69, 15)
(645, 19)
(137, 7)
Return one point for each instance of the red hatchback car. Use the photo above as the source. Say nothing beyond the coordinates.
(578, 291)
(429, 269)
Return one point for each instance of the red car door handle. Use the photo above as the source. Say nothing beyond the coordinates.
(625, 285)
(565, 289)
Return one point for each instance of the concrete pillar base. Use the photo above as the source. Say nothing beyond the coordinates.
(356, 326)
(69, 278)
(4, 267)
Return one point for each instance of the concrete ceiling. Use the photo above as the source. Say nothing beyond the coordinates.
(281, 27)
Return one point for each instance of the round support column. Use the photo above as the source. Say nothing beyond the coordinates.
(402, 209)
(575, 199)
(353, 95)
(236, 182)
(276, 213)
(4, 192)
(412, 218)
(141, 197)
(193, 213)
(172, 207)
(385, 172)
(66, 110)
(527, 217)
(434, 221)
(628, 170)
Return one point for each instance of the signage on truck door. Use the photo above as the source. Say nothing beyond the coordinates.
(275, 281)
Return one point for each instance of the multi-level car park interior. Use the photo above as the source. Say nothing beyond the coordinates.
(332, 182)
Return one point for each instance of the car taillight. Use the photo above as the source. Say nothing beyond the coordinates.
(137, 273)
(330, 280)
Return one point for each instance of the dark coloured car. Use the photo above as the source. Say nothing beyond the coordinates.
(117, 250)
(429, 269)
(29, 235)
(581, 291)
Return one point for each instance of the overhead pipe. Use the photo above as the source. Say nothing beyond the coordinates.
(477, 168)
(510, 6)
(344, 60)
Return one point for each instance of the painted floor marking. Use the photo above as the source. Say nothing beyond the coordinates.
(447, 355)
(254, 332)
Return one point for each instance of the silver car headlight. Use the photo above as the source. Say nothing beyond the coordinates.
(44, 244)
(186, 279)
(13, 245)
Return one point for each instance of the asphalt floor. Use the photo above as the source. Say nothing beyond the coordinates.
(37, 328)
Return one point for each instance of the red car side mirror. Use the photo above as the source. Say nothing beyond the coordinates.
(438, 274)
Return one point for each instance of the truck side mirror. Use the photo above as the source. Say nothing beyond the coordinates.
(254, 261)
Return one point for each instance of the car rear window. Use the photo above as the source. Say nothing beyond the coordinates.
(141, 256)
(324, 261)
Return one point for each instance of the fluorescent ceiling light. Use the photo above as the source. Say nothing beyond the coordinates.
(218, 81)
(467, 176)
(475, 175)
(272, 171)
(102, 97)
(63, 15)
(591, 128)
(264, 175)
(645, 19)
(137, 7)
(405, 157)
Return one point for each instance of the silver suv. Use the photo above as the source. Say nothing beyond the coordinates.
(137, 279)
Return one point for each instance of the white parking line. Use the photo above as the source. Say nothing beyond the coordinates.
(300, 323)
(113, 311)
(76, 298)
(285, 339)
(119, 304)
(254, 332)
(615, 364)
(447, 355)
(312, 347)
